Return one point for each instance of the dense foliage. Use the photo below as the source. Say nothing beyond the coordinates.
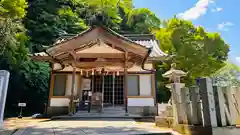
(28, 25)
(28, 80)
(194, 50)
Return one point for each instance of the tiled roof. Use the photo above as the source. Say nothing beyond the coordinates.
(149, 41)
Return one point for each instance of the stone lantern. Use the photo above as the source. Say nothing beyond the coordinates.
(175, 86)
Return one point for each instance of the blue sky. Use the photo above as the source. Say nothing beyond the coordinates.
(220, 16)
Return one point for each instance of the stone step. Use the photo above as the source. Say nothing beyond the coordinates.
(106, 112)
(113, 110)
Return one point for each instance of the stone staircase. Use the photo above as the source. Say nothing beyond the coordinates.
(107, 112)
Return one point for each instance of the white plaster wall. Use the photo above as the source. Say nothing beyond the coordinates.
(140, 102)
(56, 102)
(69, 85)
(145, 85)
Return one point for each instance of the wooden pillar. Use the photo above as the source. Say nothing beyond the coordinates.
(125, 83)
(72, 90)
(103, 79)
(51, 88)
(113, 88)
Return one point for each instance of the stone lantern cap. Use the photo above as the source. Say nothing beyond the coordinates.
(173, 74)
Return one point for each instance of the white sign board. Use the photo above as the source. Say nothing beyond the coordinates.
(4, 78)
(89, 93)
(22, 104)
(86, 84)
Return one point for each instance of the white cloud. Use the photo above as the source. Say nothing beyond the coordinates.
(211, 1)
(238, 59)
(198, 10)
(224, 26)
(217, 9)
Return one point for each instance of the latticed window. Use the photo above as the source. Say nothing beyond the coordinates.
(113, 88)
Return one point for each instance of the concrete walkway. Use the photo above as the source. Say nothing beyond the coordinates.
(93, 127)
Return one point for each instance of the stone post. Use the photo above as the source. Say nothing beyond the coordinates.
(187, 104)
(237, 95)
(208, 103)
(220, 105)
(196, 118)
(230, 105)
(4, 78)
(177, 104)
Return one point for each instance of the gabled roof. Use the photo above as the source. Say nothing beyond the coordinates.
(93, 35)
(146, 41)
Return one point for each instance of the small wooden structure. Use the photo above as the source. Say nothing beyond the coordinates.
(121, 67)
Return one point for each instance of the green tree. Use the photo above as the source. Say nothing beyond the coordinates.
(106, 11)
(12, 35)
(193, 49)
(142, 20)
(28, 80)
(14, 9)
(47, 20)
(29, 84)
(228, 75)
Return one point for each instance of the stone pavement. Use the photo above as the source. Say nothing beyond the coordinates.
(93, 127)
(15, 123)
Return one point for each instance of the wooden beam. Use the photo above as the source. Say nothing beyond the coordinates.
(65, 56)
(100, 64)
(100, 55)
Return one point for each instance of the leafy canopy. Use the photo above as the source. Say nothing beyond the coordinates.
(142, 20)
(194, 50)
(46, 21)
(14, 9)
